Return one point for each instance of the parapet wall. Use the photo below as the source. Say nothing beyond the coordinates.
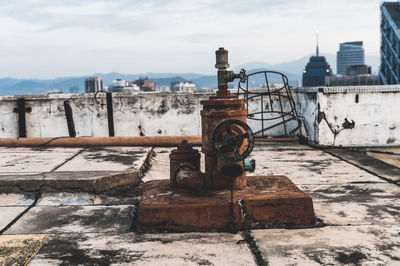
(351, 116)
(141, 114)
(338, 116)
(149, 114)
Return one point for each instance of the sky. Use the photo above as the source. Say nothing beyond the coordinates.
(54, 38)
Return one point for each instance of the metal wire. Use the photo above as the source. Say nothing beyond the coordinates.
(271, 117)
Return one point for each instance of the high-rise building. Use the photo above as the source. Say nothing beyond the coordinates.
(389, 72)
(93, 84)
(349, 54)
(316, 70)
(145, 84)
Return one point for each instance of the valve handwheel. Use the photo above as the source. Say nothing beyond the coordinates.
(227, 146)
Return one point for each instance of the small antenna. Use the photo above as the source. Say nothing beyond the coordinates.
(317, 45)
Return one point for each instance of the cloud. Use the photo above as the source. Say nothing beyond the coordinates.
(87, 36)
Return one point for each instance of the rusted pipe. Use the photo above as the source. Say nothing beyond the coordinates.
(156, 141)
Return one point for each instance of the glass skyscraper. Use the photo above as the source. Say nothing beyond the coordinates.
(316, 70)
(349, 54)
(389, 72)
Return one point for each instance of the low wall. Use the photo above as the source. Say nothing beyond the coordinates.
(351, 116)
(149, 114)
(339, 116)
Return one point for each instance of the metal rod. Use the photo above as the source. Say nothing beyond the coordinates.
(110, 115)
(70, 119)
(281, 106)
(21, 117)
(262, 114)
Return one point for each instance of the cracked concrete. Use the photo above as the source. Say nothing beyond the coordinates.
(71, 169)
(357, 210)
(152, 249)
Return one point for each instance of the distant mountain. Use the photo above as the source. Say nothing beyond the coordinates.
(293, 70)
(167, 81)
(209, 82)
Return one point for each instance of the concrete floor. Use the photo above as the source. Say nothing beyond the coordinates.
(94, 169)
(357, 207)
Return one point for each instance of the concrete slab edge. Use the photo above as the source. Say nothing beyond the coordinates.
(38, 183)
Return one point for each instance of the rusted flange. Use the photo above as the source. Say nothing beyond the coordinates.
(183, 155)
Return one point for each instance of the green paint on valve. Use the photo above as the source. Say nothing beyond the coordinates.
(249, 165)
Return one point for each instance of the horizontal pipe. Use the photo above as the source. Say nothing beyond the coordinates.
(156, 141)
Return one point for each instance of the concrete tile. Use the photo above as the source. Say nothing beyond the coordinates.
(16, 199)
(39, 150)
(356, 245)
(4, 174)
(70, 219)
(107, 159)
(154, 249)
(8, 214)
(379, 167)
(267, 146)
(387, 158)
(102, 199)
(20, 183)
(32, 162)
(19, 249)
(159, 165)
(308, 167)
(119, 196)
(65, 199)
(356, 204)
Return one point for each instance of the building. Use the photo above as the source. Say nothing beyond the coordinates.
(316, 70)
(389, 72)
(145, 85)
(356, 75)
(120, 85)
(352, 80)
(355, 70)
(184, 86)
(349, 54)
(93, 84)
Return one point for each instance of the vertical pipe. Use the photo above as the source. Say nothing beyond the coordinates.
(21, 117)
(110, 115)
(70, 119)
(281, 106)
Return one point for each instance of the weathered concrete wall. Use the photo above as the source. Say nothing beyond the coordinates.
(351, 116)
(150, 114)
(346, 116)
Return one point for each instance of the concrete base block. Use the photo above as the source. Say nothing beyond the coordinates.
(267, 200)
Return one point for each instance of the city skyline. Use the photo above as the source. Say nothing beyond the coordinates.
(47, 39)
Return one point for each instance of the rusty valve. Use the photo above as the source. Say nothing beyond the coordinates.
(229, 139)
(225, 76)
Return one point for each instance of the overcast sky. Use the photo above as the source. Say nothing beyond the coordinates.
(53, 38)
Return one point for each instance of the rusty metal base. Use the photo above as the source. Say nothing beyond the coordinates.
(268, 200)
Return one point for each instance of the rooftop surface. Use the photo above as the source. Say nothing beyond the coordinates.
(355, 192)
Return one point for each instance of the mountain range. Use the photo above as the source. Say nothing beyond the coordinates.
(293, 70)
